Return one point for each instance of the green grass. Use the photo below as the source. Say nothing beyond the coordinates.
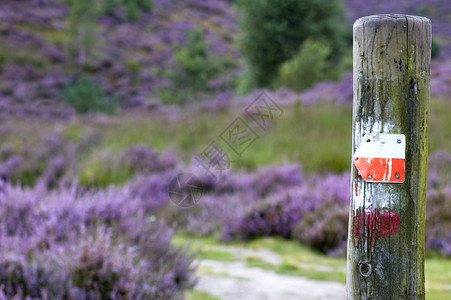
(290, 267)
(198, 295)
(102, 169)
(73, 132)
(52, 35)
(210, 271)
(438, 278)
(440, 126)
(319, 137)
(205, 248)
(21, 56)
(299, 260)
(187, 135)
(214, 254)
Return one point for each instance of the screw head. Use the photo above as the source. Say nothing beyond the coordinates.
(356, 158)
(370, 176)
(397, 175)
(399, 141)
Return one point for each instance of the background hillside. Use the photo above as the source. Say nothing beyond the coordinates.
(130, 56)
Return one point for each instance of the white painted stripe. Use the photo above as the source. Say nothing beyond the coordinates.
(382, 146)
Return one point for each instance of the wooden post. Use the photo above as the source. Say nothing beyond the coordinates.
(392, 56)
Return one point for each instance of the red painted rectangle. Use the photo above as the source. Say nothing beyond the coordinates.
(380, 169)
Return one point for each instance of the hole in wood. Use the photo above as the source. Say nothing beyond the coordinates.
(365, 269)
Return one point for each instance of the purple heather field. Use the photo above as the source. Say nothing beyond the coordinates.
(64, 235)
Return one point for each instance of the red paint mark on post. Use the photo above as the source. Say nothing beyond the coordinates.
(355, 187)
(375, 224)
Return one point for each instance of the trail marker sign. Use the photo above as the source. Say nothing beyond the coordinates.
(381, 158)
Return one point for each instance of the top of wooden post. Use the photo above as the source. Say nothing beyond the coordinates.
(391, 18)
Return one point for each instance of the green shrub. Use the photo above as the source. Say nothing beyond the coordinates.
(134, 68)
(194, 67)
(272, 32)
(305, 69)
(244, 83)
(145, 5)
(132, 10)
(86, 96)
(109, 6)
(435, 48)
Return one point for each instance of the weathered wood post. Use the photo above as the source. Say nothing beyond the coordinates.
(392, 55)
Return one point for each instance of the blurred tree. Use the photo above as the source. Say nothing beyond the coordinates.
(132, 10)
(435, 48)
(145, 5)
(83, 31)
(84, 95)
(109, 6)
(306, 68)
(194, 67)
(272, 31)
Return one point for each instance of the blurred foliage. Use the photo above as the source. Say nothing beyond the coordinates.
(134, 67)
(106, 167)
(103, 170)
(109, 6)
(91, 245)
(198, 295)
(435, 48)
(325, 229)
(21, 57)
(307, 67)
(87, 96)
(145, 5)
(83, 29)
(313, 145)
(272, 32)
(133, 8)
(321, 142)
(244, 83)
(194, 68)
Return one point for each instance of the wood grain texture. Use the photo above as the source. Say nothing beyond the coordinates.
(392, 56)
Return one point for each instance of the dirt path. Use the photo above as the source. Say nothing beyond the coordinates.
(235, 281)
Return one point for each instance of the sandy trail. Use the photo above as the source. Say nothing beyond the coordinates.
(235, 281)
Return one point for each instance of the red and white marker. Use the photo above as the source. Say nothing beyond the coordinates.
(381, 158)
